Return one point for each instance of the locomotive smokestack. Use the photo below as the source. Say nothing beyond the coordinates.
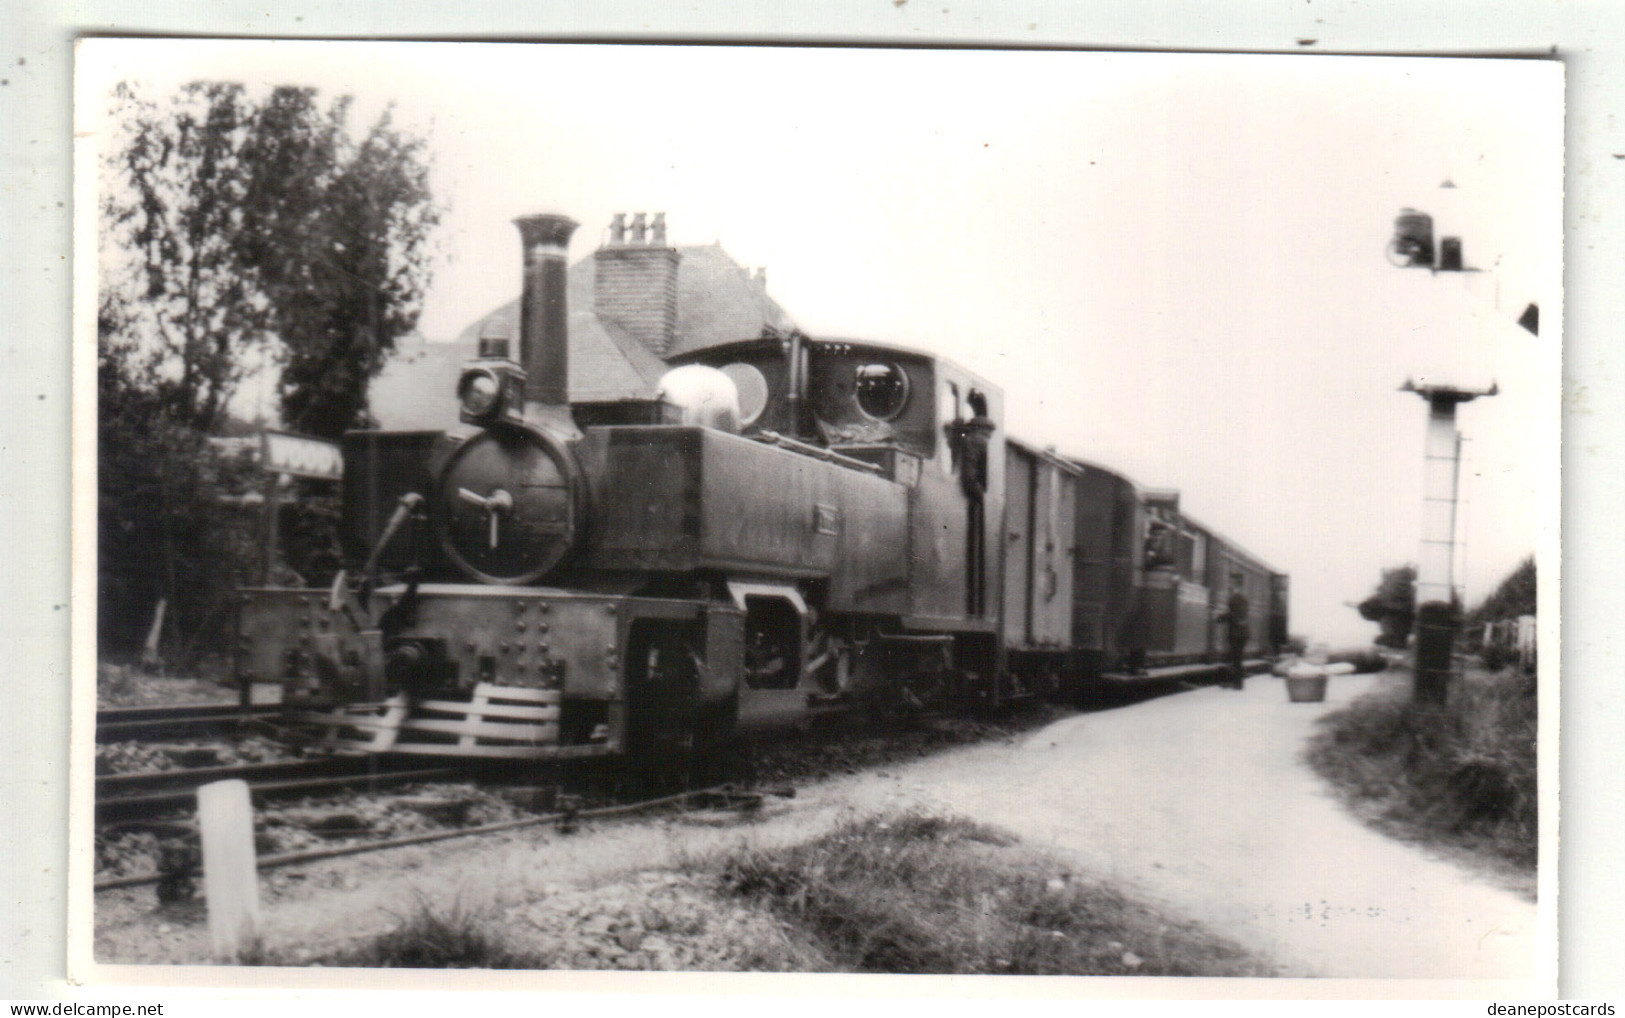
(544, 321)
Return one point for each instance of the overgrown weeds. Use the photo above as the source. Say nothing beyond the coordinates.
(928, 894)
(1463, 774)
(454, 936)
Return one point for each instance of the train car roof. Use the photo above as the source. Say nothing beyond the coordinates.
(1046, 453)
(1141, 491)
(1232, 545)
(1074, 463)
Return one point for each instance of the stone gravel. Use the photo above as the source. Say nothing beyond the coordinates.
(1198, 802)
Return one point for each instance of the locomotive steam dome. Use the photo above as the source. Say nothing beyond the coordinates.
(702, 396)
(508, 499)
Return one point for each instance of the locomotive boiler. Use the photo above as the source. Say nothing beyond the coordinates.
(791, 526)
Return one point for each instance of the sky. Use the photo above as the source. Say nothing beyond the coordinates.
(1172, 264)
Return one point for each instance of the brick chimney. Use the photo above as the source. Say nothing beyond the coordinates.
(635, 281)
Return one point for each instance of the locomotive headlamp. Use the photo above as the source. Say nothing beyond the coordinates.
(490, 392)
(480, 391)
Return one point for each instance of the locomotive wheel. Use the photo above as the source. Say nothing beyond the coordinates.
(713, 741)
(665, 726)
(924, 691)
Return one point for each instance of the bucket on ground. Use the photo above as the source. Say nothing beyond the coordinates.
(1306, 689)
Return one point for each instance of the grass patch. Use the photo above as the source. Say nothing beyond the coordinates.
(1462, 775)
(453, 937)
(929, 894)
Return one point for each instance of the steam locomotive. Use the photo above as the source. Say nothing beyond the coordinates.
(794, 526)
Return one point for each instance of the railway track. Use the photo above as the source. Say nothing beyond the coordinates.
(715, 797)
(147, 724)
(166, 798)
(123, 797)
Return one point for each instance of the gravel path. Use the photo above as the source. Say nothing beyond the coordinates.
(1198, 800)
(1201, 800)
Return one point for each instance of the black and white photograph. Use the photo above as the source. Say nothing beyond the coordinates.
(597, 511)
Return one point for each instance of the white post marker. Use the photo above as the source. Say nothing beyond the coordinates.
(230, 883)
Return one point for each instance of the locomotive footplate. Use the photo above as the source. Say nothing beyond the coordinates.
(495, 672)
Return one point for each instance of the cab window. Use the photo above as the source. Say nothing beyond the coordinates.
(881, 388)
(751, 384)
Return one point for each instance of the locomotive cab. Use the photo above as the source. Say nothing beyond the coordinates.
(864, 400)
(923, 423)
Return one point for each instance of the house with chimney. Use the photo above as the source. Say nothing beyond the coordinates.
(634, 302)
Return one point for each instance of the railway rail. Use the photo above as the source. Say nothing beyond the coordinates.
(146, 724)
(165, 798)
(719, 796)
(121, 797)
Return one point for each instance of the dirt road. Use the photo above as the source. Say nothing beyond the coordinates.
(1201, 800)
(1197, 800)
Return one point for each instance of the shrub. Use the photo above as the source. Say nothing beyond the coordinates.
(1496, 657)
(920, 893)
(163, 531)
(1513, 596)
(454, 937)
(166, 529)
(1464, 773)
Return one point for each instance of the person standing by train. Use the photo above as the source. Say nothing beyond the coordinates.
(972, 439)
(1234, 617)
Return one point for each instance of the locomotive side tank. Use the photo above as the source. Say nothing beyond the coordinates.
(693, 500)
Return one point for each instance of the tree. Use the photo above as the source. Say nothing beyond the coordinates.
(1513, 597)
(171, 218)
(1393, 606)
(337, 235)
(231, 223)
